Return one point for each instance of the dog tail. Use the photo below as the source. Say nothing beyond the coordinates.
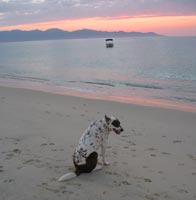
(67, 176)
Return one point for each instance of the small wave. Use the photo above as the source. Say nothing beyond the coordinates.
(148, 86)
(25, 78)
(119, 83)
(185, 99)
(98, 83)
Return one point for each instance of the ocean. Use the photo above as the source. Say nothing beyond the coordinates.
(157, 71)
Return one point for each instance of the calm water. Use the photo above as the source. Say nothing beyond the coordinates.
(136, 69)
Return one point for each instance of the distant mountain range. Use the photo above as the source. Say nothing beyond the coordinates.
(55, 34)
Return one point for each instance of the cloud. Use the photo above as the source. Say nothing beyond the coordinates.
(38, 1)
(6, 1)
(30, 11)
(1, 16)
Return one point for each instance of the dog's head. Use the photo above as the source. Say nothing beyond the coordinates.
(113, 124)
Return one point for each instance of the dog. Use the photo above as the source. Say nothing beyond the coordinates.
(85, 157)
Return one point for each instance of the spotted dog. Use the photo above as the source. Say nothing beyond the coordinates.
(85, 157)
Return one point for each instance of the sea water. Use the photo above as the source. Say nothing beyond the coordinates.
(155, 70)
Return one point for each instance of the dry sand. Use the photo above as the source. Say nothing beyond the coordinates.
(154, 158)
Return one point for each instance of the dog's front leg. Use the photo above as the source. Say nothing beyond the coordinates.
(103, 149)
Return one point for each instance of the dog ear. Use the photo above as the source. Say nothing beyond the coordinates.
(107, 119)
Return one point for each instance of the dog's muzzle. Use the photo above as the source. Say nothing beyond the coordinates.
(118, 130)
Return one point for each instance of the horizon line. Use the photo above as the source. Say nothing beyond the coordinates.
(83, 29)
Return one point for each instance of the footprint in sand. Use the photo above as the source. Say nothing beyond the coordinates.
(115, 163)
(105, 192)
(148, 180)
(17, 151)
(44, 184)
(9, 181)
(12, 139)
(177, 141)
(47, 112)
(192, 157)
(53, 149)
(1, 169)
(13, 153)
(182, 191)
(53, 179)
(46, 187)
(3, 99)
(124, 136)
(44, 144)
(126, 183)
(136, 133)
(151, 149)
(112, 173)
(131, 143)
(9, 156)
(59, 114)
(166, 153)
(48, 144)
(149, 197)
(180, 164)
(194, 173)
(32, 161)
(117, 183)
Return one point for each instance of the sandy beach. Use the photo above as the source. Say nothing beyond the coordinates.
(154, 158)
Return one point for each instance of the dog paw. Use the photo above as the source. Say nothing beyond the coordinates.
(106, 163)
(97, 168)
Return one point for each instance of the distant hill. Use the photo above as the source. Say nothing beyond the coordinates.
(55, 34)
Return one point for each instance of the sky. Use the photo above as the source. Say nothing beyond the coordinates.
(166, 17)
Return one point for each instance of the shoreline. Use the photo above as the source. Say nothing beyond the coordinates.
(35, 86)
(154, 158)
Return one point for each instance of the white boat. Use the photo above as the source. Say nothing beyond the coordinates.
(109, 43)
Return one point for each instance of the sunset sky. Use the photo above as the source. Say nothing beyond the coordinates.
(168, 17)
